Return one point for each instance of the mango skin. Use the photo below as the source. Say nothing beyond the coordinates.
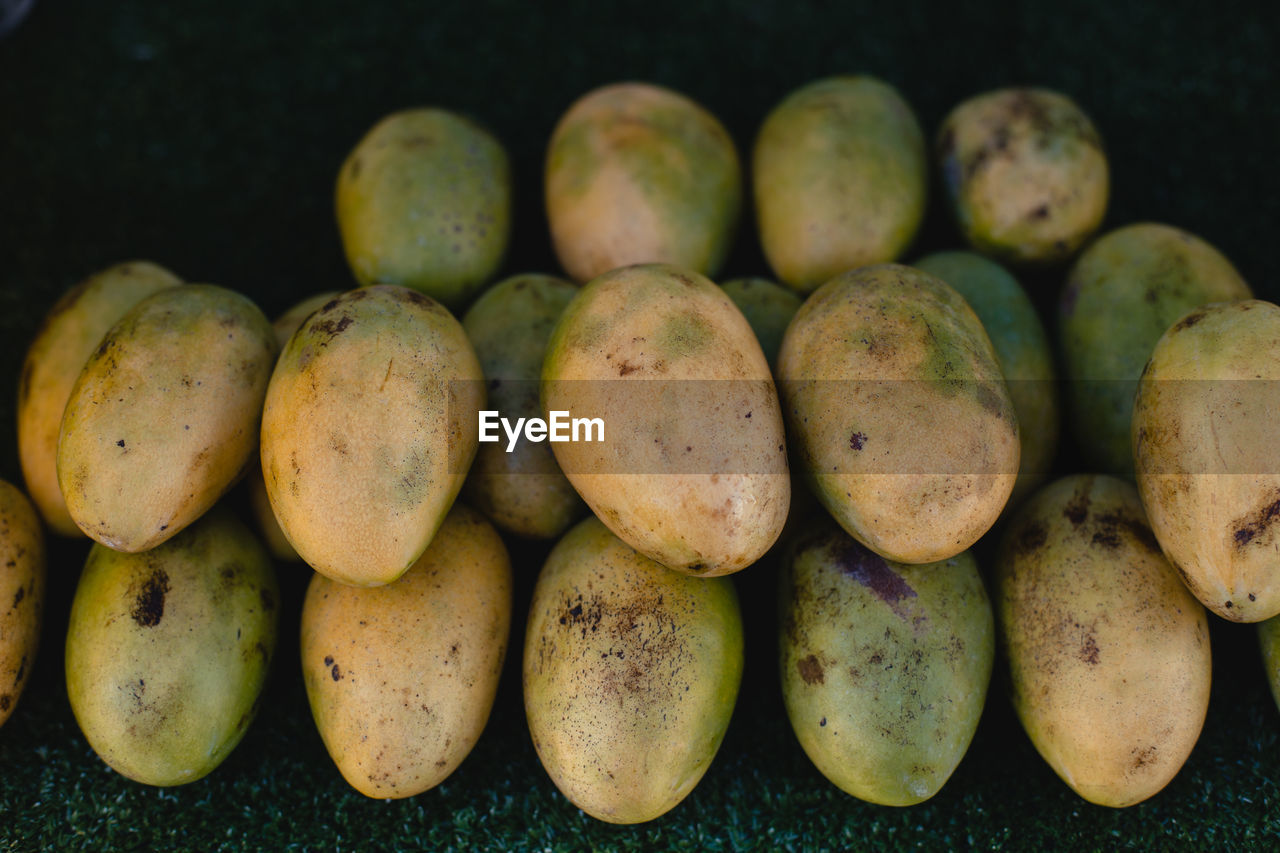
(840, 175)
(71, 331)
(1025, 174)
(23, 566)
(259, 503)
(163, 418)
(424, 201)
(1269, 643)
(523, 492)
(897, 412)
(1108, 652)
(1204, 439)
(1120, 296)
(1022, 351)
(631, 672)
(637, 173)
(401, 678)
(368, 430)
(884, 666)
(692, 471)
(768, 307)
(168, 651)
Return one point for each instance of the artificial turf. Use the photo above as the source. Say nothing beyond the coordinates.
(206, 136)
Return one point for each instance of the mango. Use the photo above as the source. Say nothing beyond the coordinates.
(631, 672)
(168, 651)
(368, 430)
(840, 176)
(1120, 296)
(1108, 652)
(70, 333)
(22, 594)
(1022, 351)
(768, 308)
(520, 488)
(164, 416)
(1204, 444)
(898, 414)
(884, 666)
(1025, 174)
(637, 173)
(692, 469)
(401, 677)
(424, 201)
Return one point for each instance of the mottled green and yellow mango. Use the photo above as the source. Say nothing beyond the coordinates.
(637, 173)
(401, 677)
(424, 201)
(1022, 351)
(72, 329)
(692, 469)
(1120, 296)
(631, 673)
(521, 489)
(884, 666)
(164, 417)
(22, 594)
(1205, 434)
(168, 651)
(897, 412)
(1108, 652)
(369, 427)
(840, 176)
(1025, 174)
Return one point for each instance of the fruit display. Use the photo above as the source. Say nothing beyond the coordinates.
(641, 462)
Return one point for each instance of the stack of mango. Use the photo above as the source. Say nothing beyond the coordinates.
(865, 422)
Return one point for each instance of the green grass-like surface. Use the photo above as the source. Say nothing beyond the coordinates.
(206, 136)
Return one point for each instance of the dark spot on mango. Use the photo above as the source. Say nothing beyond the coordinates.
(627, 368)
(336, 673)
(22, 671)
(1188, 321)
(328, 660)
(810, 670)
(1077, 509)
(148, 608)
(18, 596)
(823, 722)
(1250, 527)
(857, 440)
(331, 328)
(1089, 650)
(120, 443)
(6, 701)
(871, 570)
(1041, 212)
(1032, 537)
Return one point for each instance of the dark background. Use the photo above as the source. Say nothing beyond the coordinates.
(206, 136)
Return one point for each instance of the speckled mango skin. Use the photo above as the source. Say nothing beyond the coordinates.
(768, 307)
(693, 469)
(1108, 652)
(637, 173)
(22, 594)
(897, 412)
(277, 543)
(523, 492)
(168, 651)
(1025, 174)
(368, 430)
(840, 176)
(1022, 351)
(1122, 293)
(884, 666)
(164, 417)
(631, 672)
(401, 678)
(71, 331)
(1204, 444)
(424, 201)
